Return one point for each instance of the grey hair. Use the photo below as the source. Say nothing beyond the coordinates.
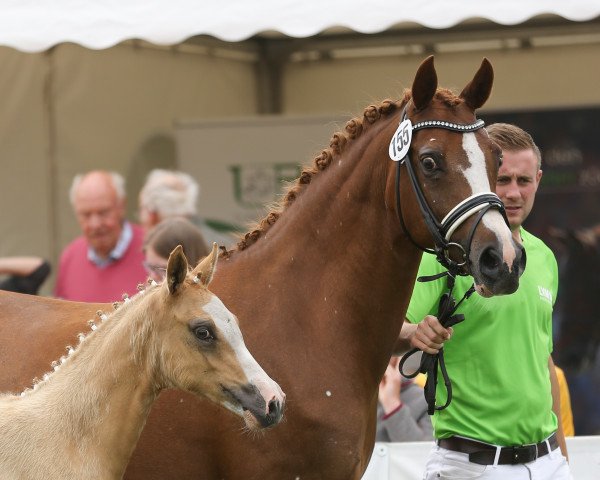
(170, 193)
(117, 180)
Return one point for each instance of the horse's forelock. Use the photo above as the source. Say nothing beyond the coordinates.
(448, 97)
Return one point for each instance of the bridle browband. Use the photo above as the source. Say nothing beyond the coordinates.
(441, 232)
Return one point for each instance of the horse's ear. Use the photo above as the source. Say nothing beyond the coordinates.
(205, 270)
(177, 269)
(478, 90)
(425, 84)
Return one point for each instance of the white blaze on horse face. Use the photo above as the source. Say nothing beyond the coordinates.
(228, 326)
(476, 176)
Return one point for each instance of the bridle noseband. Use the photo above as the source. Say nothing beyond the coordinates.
(441, 232)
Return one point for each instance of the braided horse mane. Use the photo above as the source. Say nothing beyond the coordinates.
(338, 143)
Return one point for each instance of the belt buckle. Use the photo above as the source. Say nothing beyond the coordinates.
(523, 454)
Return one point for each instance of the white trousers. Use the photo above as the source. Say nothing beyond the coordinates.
(446, 464)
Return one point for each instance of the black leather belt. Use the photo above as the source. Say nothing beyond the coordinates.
(484, 453)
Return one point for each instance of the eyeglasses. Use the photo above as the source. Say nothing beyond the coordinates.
(156, 269)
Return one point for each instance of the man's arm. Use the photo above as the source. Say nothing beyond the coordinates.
(556, 407)
(428, 335)
(20, 266)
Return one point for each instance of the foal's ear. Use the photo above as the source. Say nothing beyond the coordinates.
(425, 84)
(478, 90)
(206, 268)
(177, 269)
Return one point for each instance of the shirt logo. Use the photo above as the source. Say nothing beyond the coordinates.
(545, 294)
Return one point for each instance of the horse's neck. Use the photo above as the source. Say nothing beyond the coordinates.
(336, 264)
(96, 404)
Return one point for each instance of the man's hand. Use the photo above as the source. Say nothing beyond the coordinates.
(429, 335)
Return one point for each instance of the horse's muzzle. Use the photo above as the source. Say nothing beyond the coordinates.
(496, 277)
(265, 413)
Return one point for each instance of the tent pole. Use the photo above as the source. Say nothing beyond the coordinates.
(52, 208)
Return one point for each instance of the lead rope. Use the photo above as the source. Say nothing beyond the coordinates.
(429, 362)
(446, 308)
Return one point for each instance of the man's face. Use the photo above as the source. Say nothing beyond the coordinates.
(100, 214)
(518, 180)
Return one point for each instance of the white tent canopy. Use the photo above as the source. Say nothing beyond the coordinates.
(33, 26)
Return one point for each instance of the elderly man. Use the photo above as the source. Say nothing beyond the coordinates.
(106, 261)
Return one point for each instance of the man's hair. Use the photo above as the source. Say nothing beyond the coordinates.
(512, 138)
(170, 193)
(169, 233)
(117, 180)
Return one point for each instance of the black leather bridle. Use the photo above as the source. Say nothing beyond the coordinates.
(441, 233)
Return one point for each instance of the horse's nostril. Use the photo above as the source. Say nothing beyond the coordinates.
(490, 260)
(273, 407)
(523, 260)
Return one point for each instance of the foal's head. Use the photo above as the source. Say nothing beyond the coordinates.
(455, 164)
(200, 346)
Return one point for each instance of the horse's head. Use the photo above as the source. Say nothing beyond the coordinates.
(204, 352)
(452, 165)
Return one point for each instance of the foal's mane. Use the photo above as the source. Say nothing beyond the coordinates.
(338, 144)
(119, 310)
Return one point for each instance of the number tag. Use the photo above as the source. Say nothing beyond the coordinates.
(401, 141)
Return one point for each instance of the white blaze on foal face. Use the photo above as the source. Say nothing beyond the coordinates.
(229, 333)
(228, 327)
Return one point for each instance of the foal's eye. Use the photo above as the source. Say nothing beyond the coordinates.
(204, 334)
(429, 164)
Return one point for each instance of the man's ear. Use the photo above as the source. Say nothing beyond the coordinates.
(205, 270)
(177, 269)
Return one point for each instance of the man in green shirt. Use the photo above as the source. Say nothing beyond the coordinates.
(505, 392)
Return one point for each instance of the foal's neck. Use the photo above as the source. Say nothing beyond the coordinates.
(102, 396)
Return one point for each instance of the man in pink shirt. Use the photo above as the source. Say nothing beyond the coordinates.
(106, 261)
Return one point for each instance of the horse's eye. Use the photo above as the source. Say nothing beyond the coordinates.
(204, 334)
(429, 164)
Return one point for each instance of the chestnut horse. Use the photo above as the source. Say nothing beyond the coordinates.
(321, 287)
(83, 420)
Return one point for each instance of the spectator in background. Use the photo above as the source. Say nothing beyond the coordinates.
(106, 261)
(566, 412)
(164, 237)
(402, 409)
(23, 274)
(169, 193)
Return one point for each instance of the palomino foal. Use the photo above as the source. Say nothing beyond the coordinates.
(83, 420)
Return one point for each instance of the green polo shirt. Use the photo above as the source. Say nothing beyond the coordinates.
(497, 358)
